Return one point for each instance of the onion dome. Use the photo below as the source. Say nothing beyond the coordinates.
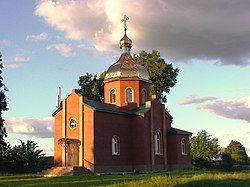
(125, 42)
(126, 68)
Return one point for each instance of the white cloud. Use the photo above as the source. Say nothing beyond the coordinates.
(194, 100)
(40, 128)
(233, 109)
(38, 37)
(182, 30)
(21, 59)
(18, 61)
(64, 49)
(91, 50)
(7, 43)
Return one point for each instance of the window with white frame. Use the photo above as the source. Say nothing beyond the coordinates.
(183, 147)
(112, 96)
(115, 145)
(143, 96)
(158, 143)
(129, 95)
(72, 123)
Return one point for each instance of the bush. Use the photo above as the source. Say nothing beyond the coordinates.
(24, 158)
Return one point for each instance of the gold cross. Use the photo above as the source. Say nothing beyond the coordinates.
(125, 18)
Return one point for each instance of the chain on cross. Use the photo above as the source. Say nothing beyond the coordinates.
(125, 18)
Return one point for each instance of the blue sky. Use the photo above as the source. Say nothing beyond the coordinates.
(46, 44)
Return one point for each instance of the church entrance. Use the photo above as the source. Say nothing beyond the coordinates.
(73, 153)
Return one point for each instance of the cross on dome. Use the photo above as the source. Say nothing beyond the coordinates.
(125, 18)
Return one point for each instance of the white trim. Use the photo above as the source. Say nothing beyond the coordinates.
(115, 149)
(144, 90)
(133, 95)
(72, 128)
(110, 95)
(158, 142)
(184, 146)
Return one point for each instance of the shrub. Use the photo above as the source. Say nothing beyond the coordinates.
(24, 158)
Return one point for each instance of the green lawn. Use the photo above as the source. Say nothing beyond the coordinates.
(171, 178)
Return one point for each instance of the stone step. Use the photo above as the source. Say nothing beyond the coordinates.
(65, 171)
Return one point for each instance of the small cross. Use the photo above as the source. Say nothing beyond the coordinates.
(125, 18)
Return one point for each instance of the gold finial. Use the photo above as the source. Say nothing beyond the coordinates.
(125, 18)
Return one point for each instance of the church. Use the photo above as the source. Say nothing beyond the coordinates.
(130, 131)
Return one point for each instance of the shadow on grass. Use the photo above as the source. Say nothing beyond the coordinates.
(217, 183)
(69, 181)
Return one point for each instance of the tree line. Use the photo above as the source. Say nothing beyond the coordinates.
(205, 151)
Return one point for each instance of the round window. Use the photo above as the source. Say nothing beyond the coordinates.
(72, 123)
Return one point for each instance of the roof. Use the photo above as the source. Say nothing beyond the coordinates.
(141, 110)
(57, 110)
(104, 107)
(175, 131)
(126, 68)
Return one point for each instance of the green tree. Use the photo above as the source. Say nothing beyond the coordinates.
(162, 75)
(26, 157)
(3, 107)
(204, 148)
(91, 86)
(238, 152)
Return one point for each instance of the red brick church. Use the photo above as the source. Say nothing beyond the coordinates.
(129, 131)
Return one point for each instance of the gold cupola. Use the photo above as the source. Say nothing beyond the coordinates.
(126, 68)
(125, 42)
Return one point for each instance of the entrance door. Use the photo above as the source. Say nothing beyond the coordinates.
(73, 154)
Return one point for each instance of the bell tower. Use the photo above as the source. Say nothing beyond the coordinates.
(126, 83)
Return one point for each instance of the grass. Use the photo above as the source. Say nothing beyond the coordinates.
(181, 178)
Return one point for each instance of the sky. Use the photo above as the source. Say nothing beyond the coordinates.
(50, 43)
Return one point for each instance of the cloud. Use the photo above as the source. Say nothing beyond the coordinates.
(6, 43)
(195, 100)
(182, 30)
(21, 59)
(38, 37)
(91, 50)
(232, 109)
(18, 61)
(40, 128)
(64, 49)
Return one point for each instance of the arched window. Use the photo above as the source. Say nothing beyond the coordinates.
(158, 143)
(129, 95)
(115, 145)
(143, 96)
(183, 147)
(112, 96)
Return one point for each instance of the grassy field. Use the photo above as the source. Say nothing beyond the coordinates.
(171, 178)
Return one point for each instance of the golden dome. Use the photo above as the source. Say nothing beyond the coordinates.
(126, 69)
(125, 42)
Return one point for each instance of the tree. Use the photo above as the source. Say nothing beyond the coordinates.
(204, 148)
(26, 157)
(91, 86)
(3, 107)
(226, 162)
(238, 152)
(162, 75)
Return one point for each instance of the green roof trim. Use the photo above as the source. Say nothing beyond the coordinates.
(175, 131)
(167, 113)
(141, 110)
(104, 107)
(111, 108)
(57, 110)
